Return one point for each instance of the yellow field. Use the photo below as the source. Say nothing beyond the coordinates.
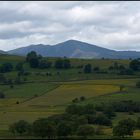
(128, 82)
(66, 93)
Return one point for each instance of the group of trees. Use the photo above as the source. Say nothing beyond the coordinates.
(37, 61)
(11, 81)
(89, 69)
(33, 59)
(62, 63)
(76, 100)
(121, 69)
(126, 127)
(120, 106)
(135, 65)
(6, 67)
(76, 120)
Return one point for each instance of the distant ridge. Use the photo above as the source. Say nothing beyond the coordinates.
(2, 52)
(75, 49)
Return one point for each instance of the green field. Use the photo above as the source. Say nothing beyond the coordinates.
(42, 95)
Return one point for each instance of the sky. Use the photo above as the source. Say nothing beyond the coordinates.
(113, 25)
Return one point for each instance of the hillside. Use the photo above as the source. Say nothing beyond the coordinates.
(75, 49)
(38, 94)
(2, 52)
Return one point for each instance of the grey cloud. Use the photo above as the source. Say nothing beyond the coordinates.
(114, 25)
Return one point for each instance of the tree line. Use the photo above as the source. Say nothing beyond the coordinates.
(77, 120)
(37, 61)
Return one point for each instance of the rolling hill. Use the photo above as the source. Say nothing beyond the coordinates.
(2, 52)
(75, 49)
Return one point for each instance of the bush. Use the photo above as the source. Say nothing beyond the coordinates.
(82, 98)
(75, 100)
(21, 127)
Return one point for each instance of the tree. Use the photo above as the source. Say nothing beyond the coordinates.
(58, 64)
(88, 68)
(44, 128)
(20, 127)
(124, 128)
(67, 63)
(34, 62)
(85, 130)
(134, 65)
(31, 55)
(82, 98)
(64, 129)
(19, 66)
(33, 59)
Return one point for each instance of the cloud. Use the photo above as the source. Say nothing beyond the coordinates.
(114, 25)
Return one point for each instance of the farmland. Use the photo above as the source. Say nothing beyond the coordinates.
(41, 95)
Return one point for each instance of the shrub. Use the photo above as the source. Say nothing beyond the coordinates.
(21, 127)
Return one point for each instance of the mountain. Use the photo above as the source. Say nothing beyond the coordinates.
(75, 49)
(2, 52)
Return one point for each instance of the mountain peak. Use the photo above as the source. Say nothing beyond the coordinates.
(75, 49)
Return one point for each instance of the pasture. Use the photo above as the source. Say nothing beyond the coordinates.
(41, 95)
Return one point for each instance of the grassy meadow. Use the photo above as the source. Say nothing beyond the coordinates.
(41, 95)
